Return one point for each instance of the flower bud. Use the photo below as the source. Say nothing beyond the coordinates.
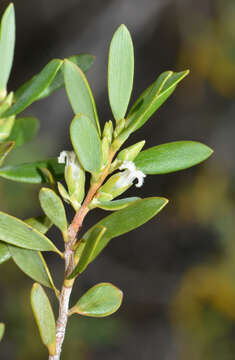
(108, 131)
(130, 153)
(120, 126)
(74, 177)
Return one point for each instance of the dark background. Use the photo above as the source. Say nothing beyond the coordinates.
(177, 271)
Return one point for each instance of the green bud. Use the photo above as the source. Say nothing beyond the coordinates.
(108, 131)
(130, 153)
(120, 126)
(113, 187)
(105, 151)
(63, 192)
(74, 177)
(120, 182)
(6, 103)
(6, 125)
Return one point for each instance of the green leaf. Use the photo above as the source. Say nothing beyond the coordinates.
(40, 223)
(86, 143)
(126, 220)
(44, 317)
(88, 250)
(7, 45)
(32, 263)
(101, 300)
(53, 207)
(120, 72)
(4, 253)
(5, 148)
(24, 130)
(173, 156)
(2, 330)
(116, 204)
(16, 232)
(40, 83)
(152, 98)
(30, 172)
(79, 93)
(84, 61)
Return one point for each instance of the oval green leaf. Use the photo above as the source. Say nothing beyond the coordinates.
(170, 157)
(101, 300)
(7, 45)
(32, 263)
(24, 130)
(86, 143)
(53, 207)
(39, 83)
(79, 93)
(5, 148)
(120, 72)
(4, 252)
(16, 232)
(2, 330)
(44, 317)
(152, 98)
(31, 173)
(126, 220)
(88, 250)
(116, 204)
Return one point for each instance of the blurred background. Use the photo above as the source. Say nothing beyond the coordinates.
(177, 271)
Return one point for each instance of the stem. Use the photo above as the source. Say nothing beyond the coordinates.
(69, 262)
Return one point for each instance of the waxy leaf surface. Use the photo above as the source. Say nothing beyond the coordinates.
(16, 232)
(170, 157)
(86, 143)
(31, 173)
(101, 300)
(79, 93)
(31, 93)
(53, 207)
(7, 45)
(44, 317)
(32, 263)
(24, 130)
(120, 72)
(127, 219)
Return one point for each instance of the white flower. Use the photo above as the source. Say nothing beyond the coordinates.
(129, 175)
(69, 158)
